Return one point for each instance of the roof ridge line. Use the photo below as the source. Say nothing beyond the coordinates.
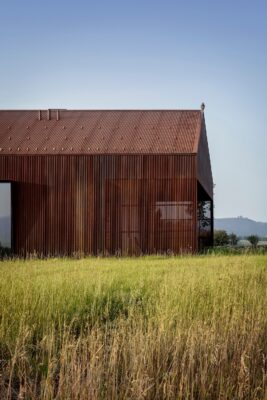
(102, 109)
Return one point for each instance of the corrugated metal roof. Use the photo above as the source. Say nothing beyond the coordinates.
(99, 132)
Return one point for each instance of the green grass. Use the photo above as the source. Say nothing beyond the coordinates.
(140, 328)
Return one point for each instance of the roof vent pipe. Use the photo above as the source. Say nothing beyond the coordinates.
(202, 107)
(48, 115)
(58, 115)
(39, 115)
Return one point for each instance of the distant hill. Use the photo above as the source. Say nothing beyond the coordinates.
(5, 233)
(242, 227)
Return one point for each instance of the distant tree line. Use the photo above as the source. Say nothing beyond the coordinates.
(222, 238)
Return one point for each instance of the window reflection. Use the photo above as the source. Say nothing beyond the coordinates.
(5, 215)
(174, 210)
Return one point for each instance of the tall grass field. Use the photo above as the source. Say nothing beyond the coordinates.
(140, 328)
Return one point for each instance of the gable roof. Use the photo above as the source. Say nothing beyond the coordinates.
(99, 131)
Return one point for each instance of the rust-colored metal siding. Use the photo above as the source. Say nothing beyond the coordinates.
(107, 181)
(127, 204)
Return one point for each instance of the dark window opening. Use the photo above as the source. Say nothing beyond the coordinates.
(205, 219)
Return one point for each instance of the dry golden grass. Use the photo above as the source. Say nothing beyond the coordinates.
(141, 328)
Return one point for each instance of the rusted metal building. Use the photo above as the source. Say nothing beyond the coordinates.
(109, 182)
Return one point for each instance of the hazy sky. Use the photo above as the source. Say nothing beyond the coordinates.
(152, 54)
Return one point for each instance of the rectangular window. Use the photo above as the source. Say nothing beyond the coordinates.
(5, 215)
(174, 210)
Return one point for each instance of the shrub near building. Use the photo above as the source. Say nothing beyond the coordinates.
(254, 240)
(221, 238)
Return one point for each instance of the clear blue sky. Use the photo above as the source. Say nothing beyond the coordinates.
(152, 54)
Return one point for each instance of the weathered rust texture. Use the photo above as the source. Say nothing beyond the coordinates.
(100, 204)
(99, 132)
(109, 182)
